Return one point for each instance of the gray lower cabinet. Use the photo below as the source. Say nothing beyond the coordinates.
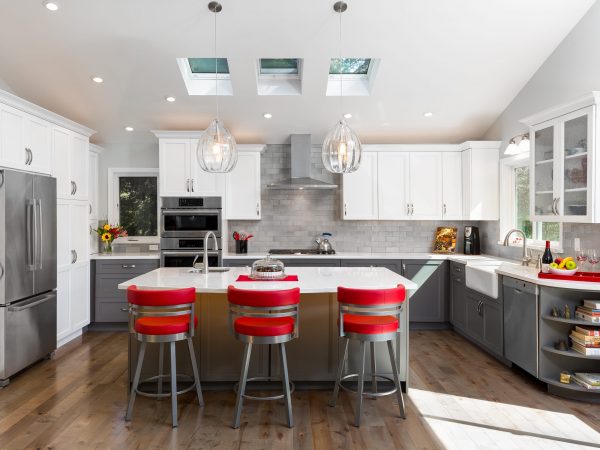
(109, 301)
(429, 302)
(485, 321)
(458, 296)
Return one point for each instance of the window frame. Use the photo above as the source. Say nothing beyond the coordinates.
(508, 204)
(113, 199)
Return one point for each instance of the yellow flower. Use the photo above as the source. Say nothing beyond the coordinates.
(106, 227)
(106, 237)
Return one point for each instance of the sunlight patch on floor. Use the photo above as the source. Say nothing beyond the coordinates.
(467, 423)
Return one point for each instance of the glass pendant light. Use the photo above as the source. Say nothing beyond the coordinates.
(217, 149)
(342, 150)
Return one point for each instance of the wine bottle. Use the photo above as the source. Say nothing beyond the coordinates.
(547, 258)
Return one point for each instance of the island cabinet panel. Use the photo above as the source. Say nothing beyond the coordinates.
(428, 303)
(458, 296)
(220, 352)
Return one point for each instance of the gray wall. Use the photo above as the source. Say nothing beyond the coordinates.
(116, 156)
(295, 218)
(572, 70)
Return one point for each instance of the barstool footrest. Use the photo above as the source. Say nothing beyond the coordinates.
(368, 393)
(265, 397)
(166, 378)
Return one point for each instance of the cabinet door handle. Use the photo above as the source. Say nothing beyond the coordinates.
(71, 187)
(187, 185)
(1, 271)
(458, 280)
(408, 209)
(412, 209)
(27, 160)
(72, 257)
(30, 156)
(444, 209)
(90, 208)
(125, 309)
(345, 209)
(125, 266)
(76, 256)
(192, 185)
(556, 207)
(258, 209)
(403, 269)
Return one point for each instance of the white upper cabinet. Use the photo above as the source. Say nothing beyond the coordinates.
(39, 144)
(180, 174)
(12, 138)
(425, 185)
(563, 168)
(70, 164)
(243, 188)
(359, 190)
(452, 195)
(480, 168)
(393, 185)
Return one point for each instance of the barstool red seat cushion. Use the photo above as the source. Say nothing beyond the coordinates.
(370, 324)
(264, 326)
(164, 325)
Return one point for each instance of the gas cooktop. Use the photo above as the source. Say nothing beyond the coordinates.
(299, 251)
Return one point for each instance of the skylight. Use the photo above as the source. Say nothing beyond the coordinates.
(207, 65)
(349, 66)
(281, 66)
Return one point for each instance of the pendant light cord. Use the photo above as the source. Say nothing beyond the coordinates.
(340, 63)
(216, 68)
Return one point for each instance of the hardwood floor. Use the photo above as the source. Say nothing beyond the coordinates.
(460, 398)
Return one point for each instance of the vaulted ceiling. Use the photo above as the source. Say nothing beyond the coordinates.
(463, 60)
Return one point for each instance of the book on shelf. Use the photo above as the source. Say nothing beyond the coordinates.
(586, 317)
(585, 350)
(593, 304)
(585, 338)
(587, 330)
(582, 383)
(584, 343)
(590, 378)
(589, 311)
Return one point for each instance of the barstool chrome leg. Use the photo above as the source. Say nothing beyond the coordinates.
(286, 384)
(373, 369)
(242, 386)
(136, 380)
(340, 370)
(361, 382)
(396, 379)
(161, 357)
(195, 369)
(173, 386)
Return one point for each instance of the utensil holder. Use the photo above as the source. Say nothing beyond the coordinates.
(241, 247)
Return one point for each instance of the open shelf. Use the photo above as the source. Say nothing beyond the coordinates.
(570, 353)
(545, 161)
(583, 189)
(573, 386)
(576, 155)
(571, 321)
(544, 192)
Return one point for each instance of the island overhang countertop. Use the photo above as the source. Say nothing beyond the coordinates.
(311, 280)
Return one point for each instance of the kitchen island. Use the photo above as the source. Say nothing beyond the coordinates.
(312, 358)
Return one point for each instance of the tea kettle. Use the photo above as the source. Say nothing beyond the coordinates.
(323, 244)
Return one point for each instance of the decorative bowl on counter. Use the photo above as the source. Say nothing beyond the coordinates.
(564, 272)
(267, 269)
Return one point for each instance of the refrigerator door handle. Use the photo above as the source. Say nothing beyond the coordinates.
(30, 236)
(31, 305)
(41, 234)
(1, 271)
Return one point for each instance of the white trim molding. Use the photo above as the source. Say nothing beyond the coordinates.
(593, 98)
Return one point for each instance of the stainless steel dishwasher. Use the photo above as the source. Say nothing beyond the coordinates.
(521, 324)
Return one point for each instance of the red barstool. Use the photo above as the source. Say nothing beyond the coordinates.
(263, 317)
(159, 316)
(373, 316)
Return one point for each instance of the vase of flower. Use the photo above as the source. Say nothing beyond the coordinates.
(108, 233)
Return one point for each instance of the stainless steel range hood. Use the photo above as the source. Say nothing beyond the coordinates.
(300, 178)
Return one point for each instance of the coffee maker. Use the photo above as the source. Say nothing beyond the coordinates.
(472, 243)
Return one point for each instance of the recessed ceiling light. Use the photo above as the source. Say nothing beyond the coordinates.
(128, 128)
(170, 99)
(98, 80)
(50, 5)
(428, 114)
(347, 116)
(267, 115)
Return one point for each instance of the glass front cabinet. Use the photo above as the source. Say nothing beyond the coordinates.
(564, 185)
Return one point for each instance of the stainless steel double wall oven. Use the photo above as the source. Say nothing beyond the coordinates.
(184, 222)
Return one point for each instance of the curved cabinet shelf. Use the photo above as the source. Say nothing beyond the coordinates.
(571, 353)
(570, 321)
(573, 386)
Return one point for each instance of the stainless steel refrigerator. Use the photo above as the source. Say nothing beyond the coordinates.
(27, 270)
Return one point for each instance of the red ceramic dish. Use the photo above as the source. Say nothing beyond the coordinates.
(593, 277)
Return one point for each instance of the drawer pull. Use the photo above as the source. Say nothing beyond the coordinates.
(458, 280)
(125, 309)
(125, 266)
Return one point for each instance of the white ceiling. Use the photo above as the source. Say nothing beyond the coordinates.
(464, 60)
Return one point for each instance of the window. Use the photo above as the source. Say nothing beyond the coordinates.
(134, 201)
(272, 66)
(349, 66)
(279, 76)
(199, 76)
(207, 65)
(515, 211)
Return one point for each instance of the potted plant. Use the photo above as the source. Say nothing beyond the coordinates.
(108, 233)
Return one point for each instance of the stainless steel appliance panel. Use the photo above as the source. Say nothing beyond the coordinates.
(192, 202)
(29, 332)
(186, 258)
(186, 222)
(16, 225)
(190, 243)
(44, 193)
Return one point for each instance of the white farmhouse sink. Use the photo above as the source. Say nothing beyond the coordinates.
(481, 276)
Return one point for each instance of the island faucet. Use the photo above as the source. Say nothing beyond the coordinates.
(526, 258)
(205, 245)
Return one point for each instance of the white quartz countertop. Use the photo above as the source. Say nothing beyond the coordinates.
(352, 255)
(311, 280)
(530, 274)
(129, 255)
